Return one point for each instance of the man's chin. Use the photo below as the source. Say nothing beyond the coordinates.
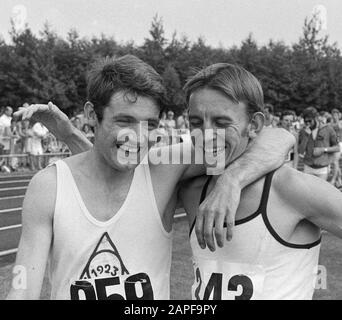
(126, 161)
(215, 168)
(124, 166)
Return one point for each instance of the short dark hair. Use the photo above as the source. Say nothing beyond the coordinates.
(310, 112)
(286, 113)
(87, 125)
(238, 84)
(269, 107)
(128, 74)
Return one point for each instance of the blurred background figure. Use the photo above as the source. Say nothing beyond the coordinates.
(298, 122)
(286, 122)
(35, 146)
(170, 122)
(81, 119)
(317, 143)
(51, 146)
(275, 121)
(183, 121)
(25, 134)
(322, 117)
(5, 129)
(6, 117)
(77, 123)
(162, 120)
(15, 147)
(183, 127)
(170, 127)
(268, 111)
(336, 123)
(87, 130)
(162, 139)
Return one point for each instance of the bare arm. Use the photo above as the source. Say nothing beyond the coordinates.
(313, 199)
(333, 149)
(58, 124)
(36, 237)
(77, 142)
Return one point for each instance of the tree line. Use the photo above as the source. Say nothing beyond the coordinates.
(44, 67)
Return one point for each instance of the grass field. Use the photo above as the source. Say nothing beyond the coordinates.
(182, 274)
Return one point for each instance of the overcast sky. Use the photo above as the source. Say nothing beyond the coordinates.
(225, 22)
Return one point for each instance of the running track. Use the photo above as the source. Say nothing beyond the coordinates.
(12, 192)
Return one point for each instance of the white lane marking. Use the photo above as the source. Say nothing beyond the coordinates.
(15, 226)
(7, 252)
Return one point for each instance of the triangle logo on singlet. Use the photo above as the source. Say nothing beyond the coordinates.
(104, 261)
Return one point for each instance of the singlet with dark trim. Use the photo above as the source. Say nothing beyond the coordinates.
(126, 257)
(256, 264)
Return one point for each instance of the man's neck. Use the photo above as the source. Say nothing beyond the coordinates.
(321, 125)
(317, 126)
(286, 128)
(268, 120)
(99, 167)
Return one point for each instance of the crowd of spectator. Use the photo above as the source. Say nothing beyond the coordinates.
(319, 140)
(26, 145)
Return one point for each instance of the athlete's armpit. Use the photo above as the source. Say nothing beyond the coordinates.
(312, 198)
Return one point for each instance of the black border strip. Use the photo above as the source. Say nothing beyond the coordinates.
(192, 227)
(243, 220)
(282, 241)
(237, 222)
(246, 219)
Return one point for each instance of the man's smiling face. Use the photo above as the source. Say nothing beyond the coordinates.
(118, 136)
(211, 109)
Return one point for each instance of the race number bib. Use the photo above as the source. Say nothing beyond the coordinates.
(105, 277)
(134, 287)
(219, 280)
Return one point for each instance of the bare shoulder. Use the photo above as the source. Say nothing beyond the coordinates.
(287, 181)
(44, 180)
(40, 197)
(276, 133)
(298, 189)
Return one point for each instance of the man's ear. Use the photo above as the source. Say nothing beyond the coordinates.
(90, 114)
(256, 124)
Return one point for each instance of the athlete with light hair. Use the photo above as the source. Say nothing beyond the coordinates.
(275, 250)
